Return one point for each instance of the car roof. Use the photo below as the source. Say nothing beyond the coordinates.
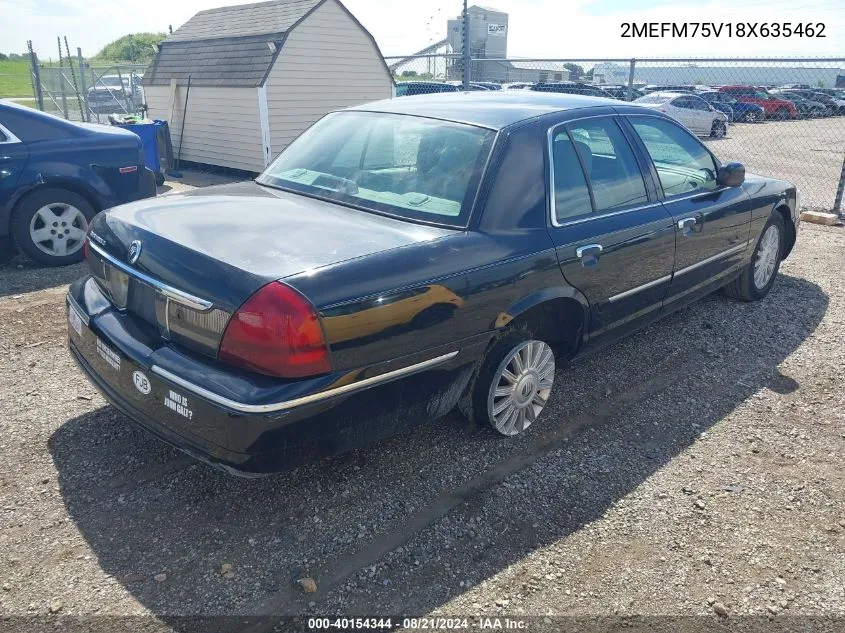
(494, 109)
(668, 94)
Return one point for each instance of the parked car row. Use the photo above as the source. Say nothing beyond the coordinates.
(747, 104)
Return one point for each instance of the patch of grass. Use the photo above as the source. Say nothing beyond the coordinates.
(14, 79)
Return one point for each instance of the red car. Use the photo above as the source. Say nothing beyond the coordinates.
(774, 107)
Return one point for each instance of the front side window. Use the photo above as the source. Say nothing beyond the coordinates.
(683, 164)
(406, 166)
(612, 170)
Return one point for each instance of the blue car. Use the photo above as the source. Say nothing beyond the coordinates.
(56, 175)
(746, 112)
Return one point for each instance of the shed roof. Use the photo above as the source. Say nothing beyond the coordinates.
(229, 46)
(260, 18)
(232, 46)
(235, 61)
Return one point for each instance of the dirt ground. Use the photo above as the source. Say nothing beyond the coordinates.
(694, 469)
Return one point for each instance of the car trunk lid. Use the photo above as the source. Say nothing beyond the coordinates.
(184, 263)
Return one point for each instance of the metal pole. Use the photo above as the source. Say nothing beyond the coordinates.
(129, 109)
(75, 85)
(87, 116)
(36, 76)
(466, 51)
(837, 204)
(62, 79)
(631, 80)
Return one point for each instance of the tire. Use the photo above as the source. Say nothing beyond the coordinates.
(528, 396)
(61, 217)
(718, 130)
(781, 115)
(159, 178)
(751, 117)
(751, 285)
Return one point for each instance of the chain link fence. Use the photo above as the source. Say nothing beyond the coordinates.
(79, 91)
(783, 118)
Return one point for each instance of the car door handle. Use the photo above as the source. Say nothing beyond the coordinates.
(589, 254)
(686, 225)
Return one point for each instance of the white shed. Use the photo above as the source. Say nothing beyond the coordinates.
(260, 75)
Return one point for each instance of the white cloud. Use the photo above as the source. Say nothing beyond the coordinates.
(538, 28)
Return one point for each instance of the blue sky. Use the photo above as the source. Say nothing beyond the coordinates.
(537, 28)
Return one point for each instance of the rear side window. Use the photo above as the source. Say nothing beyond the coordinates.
(612, 170)
(700, 104)
(33, 128)
(571, 195)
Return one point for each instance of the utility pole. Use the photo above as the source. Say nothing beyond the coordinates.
(465, 46)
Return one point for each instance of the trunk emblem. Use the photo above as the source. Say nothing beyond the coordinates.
(134, 251)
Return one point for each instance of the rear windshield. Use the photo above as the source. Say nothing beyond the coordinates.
(406, 166)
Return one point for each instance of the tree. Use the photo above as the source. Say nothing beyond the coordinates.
(135, 47)
(3, 57)
(575, 71)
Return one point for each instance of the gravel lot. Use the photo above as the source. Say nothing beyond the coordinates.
(692, 469)
(808, 153)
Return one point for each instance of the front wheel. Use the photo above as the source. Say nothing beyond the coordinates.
(751, 116)
(514, 383)
(759, 275)
(718, 129)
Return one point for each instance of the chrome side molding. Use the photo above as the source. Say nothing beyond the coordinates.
(366, 383)
(731, 251)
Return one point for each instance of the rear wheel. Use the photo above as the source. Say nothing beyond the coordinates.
(751, 116)
(759, 275)
(514, 383)
(782, 114)
(718, 130)
(49, 225)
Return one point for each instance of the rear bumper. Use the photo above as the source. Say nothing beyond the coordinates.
(258, 427)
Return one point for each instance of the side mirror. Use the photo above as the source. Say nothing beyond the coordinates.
(731, 175)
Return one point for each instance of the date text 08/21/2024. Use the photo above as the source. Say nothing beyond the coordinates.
(423, 624)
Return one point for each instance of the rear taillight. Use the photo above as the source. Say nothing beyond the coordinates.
(276, 332)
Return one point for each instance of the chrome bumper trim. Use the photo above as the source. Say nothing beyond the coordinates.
(170, 292)
(366, 383)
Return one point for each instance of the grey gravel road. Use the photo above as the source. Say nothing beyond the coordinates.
(693, 469)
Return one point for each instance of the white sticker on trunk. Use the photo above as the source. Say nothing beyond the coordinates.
(179, 404)
(108, 355)
(142, 383)
(75, 320)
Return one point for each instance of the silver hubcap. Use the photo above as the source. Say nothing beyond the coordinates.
(767, 257)
(521, 387)
(58, 229)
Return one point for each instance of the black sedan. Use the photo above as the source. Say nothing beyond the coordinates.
(55, 175)
(407, 256)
